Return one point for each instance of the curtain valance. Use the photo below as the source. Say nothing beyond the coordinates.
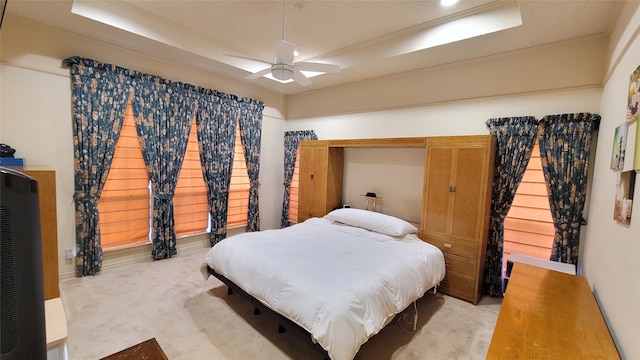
(89, 68)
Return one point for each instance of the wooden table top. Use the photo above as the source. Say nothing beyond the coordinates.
(547, 314)
(146, 350)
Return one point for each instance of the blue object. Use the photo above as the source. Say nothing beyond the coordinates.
(7, 161)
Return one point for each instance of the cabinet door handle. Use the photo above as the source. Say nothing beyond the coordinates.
(452, 189)
(311, 176)
(448, 246)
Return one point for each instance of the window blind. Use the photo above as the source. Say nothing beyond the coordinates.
(124, 204)
(293, 191)
(528, 227)
(190, 207)
(239, 187)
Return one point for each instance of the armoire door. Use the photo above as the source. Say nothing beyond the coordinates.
(313, 179)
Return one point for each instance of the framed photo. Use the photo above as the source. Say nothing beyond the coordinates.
(624, 197)
(619, 147)
(636, 156)
(633, 97)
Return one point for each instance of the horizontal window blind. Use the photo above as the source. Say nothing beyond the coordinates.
(190, 207)
(528, 227)
(124, 204)
(124, 207)
(293, 191)
(239, 187)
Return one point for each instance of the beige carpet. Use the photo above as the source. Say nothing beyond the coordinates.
(194, 319)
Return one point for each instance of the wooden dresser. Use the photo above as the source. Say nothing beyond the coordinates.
(48, 227)
(548, 314)
(456, 208)
(321, 169)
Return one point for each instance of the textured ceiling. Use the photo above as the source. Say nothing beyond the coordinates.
(364, 36)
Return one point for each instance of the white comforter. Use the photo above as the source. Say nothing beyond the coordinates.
(342, 284)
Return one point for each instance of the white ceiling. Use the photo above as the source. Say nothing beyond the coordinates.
(366, 38)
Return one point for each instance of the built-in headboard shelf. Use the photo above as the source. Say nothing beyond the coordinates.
(401, 179)
(416, 142)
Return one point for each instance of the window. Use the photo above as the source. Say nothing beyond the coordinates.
(293, 191)
(528, 228)
(125, 205)
(239, 187)
(190, 205)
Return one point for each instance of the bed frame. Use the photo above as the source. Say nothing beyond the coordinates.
(284, 324)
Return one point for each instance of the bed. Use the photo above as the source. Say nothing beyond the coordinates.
(341, 278)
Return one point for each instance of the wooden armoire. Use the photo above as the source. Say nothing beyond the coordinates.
(46, 179)
(456, 208)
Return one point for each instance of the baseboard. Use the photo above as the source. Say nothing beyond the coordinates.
(142, 253)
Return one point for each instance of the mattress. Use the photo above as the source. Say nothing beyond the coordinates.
(341, 283)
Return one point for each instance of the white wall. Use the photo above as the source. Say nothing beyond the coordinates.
(611, 250)
(452, 118)
(396, 175)
(35, 120)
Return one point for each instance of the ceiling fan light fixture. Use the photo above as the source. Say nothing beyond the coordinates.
(282, 72)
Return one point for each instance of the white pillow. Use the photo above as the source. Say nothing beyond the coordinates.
(373, 221)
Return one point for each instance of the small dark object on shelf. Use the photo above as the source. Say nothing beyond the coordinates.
(6, 150)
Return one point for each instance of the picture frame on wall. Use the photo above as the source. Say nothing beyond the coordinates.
(636, 156)
(619, 147)
(633, 113)
(633, 97)
(625, 188)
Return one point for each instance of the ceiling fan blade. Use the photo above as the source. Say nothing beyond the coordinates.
(259, 74)
(300, 78)
(317, 67)
(284, 53)
(247, 58)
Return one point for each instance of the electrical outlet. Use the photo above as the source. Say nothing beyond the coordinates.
(68, 254)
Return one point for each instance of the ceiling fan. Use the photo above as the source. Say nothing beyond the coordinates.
(283, 67)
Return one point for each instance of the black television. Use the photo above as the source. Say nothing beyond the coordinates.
(23, 332)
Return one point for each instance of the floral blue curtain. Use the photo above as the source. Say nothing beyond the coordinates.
(565, 147)
(99, 98)
(250, 123)
(163, 111)
(515, 138)
(216, 120)
(291, 142)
